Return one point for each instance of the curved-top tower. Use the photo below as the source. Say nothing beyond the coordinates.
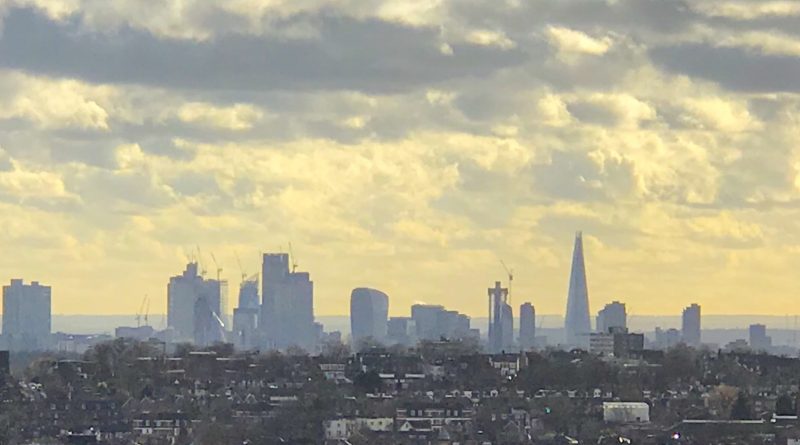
(577, 324)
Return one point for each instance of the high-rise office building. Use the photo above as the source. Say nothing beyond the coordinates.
(759, 340)
(287, 307)
(425, 318)
(612, 316)
(501, 320)
(245, 316)
(690, 328)
(401, 331)
(527, 327)
(26, 316)
(577, 324)
(434, 322)
(369, 313)
(196, 307)
(667, 338)
(248, 293)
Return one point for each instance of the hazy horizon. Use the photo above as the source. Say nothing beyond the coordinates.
(544, 321)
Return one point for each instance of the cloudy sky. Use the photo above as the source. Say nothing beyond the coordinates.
(408, 145)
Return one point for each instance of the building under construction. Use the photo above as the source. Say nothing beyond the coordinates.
(501, 320)
(196, 307)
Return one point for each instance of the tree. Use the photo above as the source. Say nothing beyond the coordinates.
(741, 408)
(784, 406)
(680, 364)
(335, 350)
(367, 343)
(368, 382)
(721, 400)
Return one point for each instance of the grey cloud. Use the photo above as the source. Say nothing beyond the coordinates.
(366, 55)
(733, 68)
(639, 16)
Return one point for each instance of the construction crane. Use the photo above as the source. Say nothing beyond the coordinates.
(147, 311)
(241, 269)
(140, 311)
(200, 261)
(219, 269)
(292, 258)
(510, 273)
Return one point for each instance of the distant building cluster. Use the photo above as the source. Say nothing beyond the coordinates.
(196, 307)
(275, 310)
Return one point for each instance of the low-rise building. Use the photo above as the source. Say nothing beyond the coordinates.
(626, 412)
(343, 428)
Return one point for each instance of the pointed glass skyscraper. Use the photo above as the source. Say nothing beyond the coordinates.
(577, 325)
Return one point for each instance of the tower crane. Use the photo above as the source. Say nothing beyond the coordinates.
(140, 311)
(219, 269)
(292, 258)
(241, 269)
(200, 261)
(147, 311)
(510, 273)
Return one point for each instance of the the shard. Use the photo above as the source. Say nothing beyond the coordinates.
(577, 324)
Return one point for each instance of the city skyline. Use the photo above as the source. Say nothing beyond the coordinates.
(408, 147)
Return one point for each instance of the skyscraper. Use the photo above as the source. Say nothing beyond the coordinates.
(759, 340)
(196, 307)
(501, 320)
(612, 316)
(248, 293)
(401, 330)
(527, 327)
(691, 325)
(245, 316)
(577, 324)
(287, 308)
(26, 316)
(425, 318)
(434, 322)
(369, 313)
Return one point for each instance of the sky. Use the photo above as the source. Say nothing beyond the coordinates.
(406, 145)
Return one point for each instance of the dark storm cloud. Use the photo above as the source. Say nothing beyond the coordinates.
(366, 55)
(733, 68)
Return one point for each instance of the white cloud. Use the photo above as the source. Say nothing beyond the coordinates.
(236, 117)
(570, 42)
(486, 37)
(714, 113)
(761, 42)
(55, 103)
(748, 10)
(553, 111)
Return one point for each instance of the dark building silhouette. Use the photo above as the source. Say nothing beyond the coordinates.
(527, 327)
(190, 300)
(690, 329)
(501, 320)
(287, 308)
(26, 316)
(759, 340)
(434, 322)
(369, 313)
(577, 324)
(612, 316)
(246, 314)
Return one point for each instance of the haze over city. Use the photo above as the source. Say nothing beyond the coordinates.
(472, 133)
